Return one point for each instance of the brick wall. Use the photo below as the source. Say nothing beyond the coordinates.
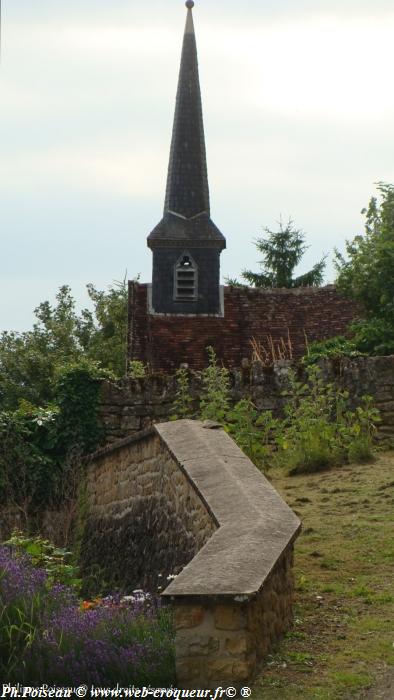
(167, 341)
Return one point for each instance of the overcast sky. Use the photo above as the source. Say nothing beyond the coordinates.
(298, 108)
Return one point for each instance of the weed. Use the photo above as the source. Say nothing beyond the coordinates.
(319, 430)
(137, 369)
(183, 404)
(215, 395)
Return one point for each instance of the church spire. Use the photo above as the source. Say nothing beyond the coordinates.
(187, 191)
(186, 244)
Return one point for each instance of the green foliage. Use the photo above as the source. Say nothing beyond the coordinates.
(78, 391)
(57, 562)
(331, 349)
(320, 430)
(215, 395)
(137, 369)
(41, 449)
(282, 252)
(251, 430)
(183, 404)
(29, 361)
(247, 426)
(26, 470)
(366, 274)
(374, 336)
(105, 329)
(233, 282)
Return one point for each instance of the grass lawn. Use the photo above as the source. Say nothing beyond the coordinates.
(342, 640)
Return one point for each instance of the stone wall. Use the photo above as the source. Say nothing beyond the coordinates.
(144, 521)
(165, 341)
(372, 376)
(132, 405)
(224, 640)
(184, 499)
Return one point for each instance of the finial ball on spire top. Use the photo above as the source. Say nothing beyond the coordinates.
(189, 4)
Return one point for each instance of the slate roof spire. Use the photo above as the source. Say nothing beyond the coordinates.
(187, 209)
(187, 191)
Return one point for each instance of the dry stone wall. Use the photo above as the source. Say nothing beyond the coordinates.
(131, 405)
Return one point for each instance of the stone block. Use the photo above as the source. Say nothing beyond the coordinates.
(237, 645)
(188, 616)
(130, 423)
(230, 617)
(219, 668)
(188, 670)
(190, 644)
(243, 670)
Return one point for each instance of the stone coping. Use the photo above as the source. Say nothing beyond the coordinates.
(255, 525)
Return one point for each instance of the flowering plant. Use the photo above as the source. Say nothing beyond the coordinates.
(48, 636)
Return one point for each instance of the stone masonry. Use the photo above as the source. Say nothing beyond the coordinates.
(225, 640)
(129, 406)
(144, 519)
(182, 498)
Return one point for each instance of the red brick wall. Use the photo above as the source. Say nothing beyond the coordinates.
(167, 341)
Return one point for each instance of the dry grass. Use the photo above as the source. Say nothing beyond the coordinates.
(342, 641)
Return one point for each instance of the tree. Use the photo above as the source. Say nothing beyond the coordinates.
(282, 251)
(367, 274)
(60, 336)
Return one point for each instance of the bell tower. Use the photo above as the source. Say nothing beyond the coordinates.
(186, 244)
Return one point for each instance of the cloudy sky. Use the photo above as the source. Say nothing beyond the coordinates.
(298, 106)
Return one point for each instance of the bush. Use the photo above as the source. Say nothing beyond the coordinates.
(252, 430)
(374, 336)
(319, 430)
(137, 370)
(47, 636)
(331, 349)
(42, 449)
(26, 468)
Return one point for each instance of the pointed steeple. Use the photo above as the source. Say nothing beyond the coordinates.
(187, 183)
(186, 244)
(186, 208)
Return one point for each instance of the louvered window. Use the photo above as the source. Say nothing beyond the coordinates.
(185, 279)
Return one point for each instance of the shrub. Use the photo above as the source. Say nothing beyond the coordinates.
(331, 349)
(319, 430)
(26, 469)
(251, 430)
(41, 449)
(78, 391)
(137, 369)
(374, 336)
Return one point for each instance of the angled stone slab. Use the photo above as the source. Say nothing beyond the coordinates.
(255, 525)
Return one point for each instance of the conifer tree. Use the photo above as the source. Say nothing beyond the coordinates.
(282, 251)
